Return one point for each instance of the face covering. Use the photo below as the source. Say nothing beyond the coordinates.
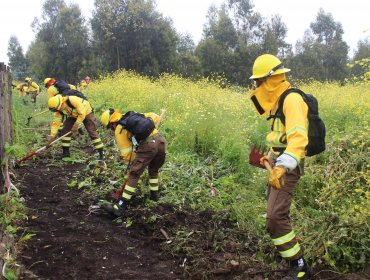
(267, 94)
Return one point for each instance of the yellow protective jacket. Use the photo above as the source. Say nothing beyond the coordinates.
(33, 87)
(79, 110)
(52, 90)
(293, 136)
(22, 89)
(123, 138)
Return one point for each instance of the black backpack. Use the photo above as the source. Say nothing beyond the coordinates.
(65, 90)
(316, 127)
(139, 125)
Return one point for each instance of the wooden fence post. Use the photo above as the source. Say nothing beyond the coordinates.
(6, 120)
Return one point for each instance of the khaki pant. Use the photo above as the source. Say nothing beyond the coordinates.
(150, 153)
(278, 217)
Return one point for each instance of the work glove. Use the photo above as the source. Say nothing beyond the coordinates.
(276, 177)
(49, 139)
(262, 159)
(75, 128)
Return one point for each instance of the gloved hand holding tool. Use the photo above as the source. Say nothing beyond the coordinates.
(257, 157)
(75, 128)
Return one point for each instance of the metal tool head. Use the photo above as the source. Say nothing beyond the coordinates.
(117, 194)
(256, 154)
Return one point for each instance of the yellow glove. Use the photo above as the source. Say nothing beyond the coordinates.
(276, 177)
(49, 139)
(262, 159)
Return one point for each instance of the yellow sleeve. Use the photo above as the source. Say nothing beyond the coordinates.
(124, 144)
(57, 120)
(154, 117)
(296, 125)
(35, 86)
(72, 86)
(52, 91)
(81, 107)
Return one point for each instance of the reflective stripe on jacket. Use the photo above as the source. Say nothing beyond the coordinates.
(292, 136)
(81, 108)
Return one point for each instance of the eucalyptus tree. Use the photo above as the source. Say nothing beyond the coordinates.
(360, 64)
(61, 43)
(131, 34)
(17, 60)
(322, 55)
(217, 49)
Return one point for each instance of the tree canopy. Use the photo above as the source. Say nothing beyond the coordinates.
(134, 35)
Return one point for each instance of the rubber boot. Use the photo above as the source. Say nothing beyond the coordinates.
(101, 154)
(116, 209)
(154, 195)
(65, 154)
(299, 269)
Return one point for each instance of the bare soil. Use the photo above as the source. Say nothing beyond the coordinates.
(73, 242)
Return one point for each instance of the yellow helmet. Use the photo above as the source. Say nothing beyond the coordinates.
(110, 116)
(27, 79)
(48, 82)
(55, 103)
(267, 65)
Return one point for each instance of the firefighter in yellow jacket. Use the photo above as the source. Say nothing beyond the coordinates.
(51, 89)
(286, 154)
(78, 111)
(33, 88)
(22, 89)
(140, 146)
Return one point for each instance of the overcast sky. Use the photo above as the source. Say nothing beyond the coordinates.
(189, 16)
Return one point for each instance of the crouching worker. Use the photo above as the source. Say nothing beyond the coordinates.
(141, 146)
(77, 111)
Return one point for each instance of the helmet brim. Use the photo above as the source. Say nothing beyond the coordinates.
(278, 71)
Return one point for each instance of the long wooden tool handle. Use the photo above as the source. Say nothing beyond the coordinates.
(60, 138)
(161, 116)
(42, 148)
(40, 113)
(267, 165)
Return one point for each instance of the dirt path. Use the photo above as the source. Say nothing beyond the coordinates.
(72, 243)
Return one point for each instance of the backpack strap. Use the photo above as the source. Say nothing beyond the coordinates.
(69, 103)
(279, 112)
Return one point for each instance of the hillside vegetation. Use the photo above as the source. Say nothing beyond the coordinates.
(210, 131)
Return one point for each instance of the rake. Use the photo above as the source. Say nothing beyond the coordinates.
(255, 156)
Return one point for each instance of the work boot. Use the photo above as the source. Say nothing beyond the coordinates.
(101, 154)
(154, 195)
(81, 131)
(65, 154)
(116, 209)
(299, 269)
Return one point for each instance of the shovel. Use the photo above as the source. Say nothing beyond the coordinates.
(255, 155)
(41, 149)
(35, 115)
